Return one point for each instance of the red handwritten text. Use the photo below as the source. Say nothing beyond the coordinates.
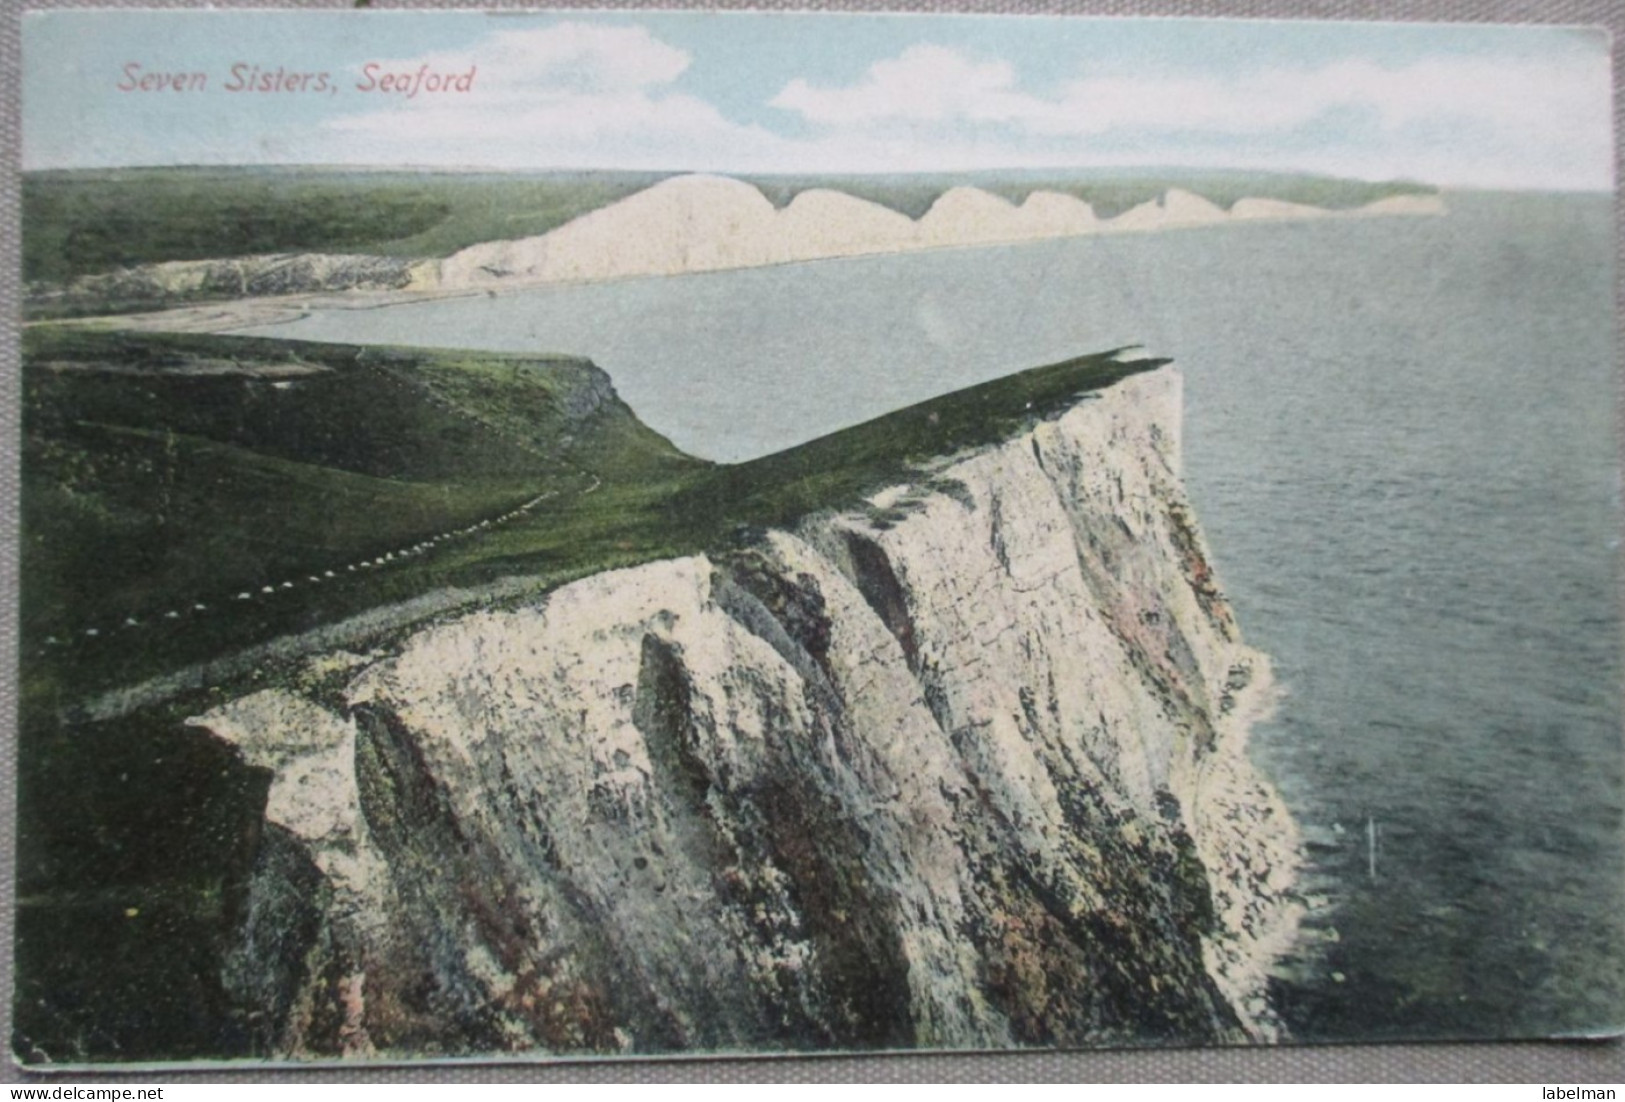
(253, 77)
(137, 79)
(411, 82)
(246, 77)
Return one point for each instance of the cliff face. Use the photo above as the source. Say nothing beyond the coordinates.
(709, 223)
(964, 768)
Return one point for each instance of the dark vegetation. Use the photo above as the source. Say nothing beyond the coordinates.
(839, 469)
(164, 471)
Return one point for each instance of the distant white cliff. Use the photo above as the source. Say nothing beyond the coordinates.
(708, 223)
(964, 767)
(680, 225)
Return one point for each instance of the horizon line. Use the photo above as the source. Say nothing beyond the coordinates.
(534, 170)
(1061, 169)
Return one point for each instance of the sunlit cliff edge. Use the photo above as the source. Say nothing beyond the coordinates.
(962, 767)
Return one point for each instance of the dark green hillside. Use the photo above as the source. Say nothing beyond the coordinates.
(405, 414)
(78, 222)
(163, 472)
(350, 410)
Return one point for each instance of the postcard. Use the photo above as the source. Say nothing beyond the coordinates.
(563, 535)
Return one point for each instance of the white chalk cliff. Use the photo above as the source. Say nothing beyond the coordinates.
(709, 223)
(964, 767)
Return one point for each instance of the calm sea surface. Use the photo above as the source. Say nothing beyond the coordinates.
(1400, 436)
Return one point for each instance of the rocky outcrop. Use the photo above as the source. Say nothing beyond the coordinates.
(963, 767)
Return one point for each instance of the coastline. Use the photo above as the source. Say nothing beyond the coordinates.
(1176, 211)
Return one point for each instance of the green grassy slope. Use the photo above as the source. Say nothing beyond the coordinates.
(163, 472)
(151, 487)
(96, 220)
(626, 521)
(841, 468)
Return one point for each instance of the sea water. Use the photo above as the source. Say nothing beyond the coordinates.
(1401, 440)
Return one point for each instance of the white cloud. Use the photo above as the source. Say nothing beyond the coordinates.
(1537, 120)
(939, 84)
(585, 95)
(613, 130)
(562, 60)
(569, 95)
(924, 84)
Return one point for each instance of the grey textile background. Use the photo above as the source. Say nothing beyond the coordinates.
(1537, 1062)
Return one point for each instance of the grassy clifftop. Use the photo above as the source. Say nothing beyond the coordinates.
(837, 470)
(158, 468)
(188, 495)
(78, 222)
(161, 473)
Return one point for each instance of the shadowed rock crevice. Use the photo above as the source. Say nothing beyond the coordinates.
(789, 614)
(879, 584)
(852, 989)
(283, 940)
(458, 905)
(412, 824)
(663, 712)
(858, 957)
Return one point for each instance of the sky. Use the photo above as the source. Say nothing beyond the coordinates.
(1453, 105)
